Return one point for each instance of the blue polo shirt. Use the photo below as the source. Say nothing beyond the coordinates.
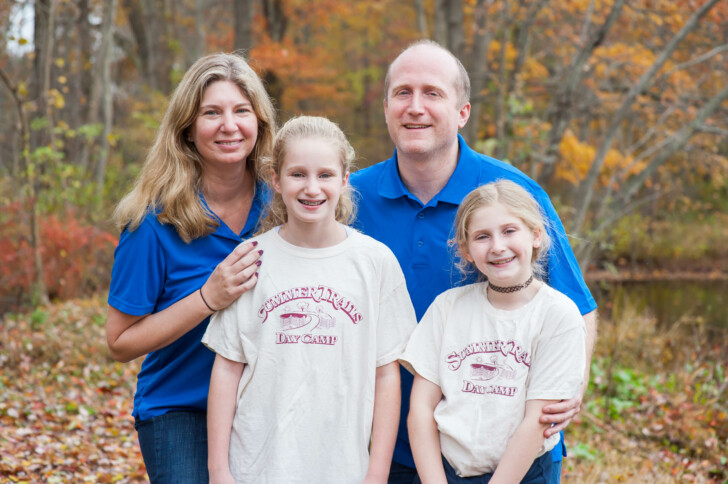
(153, 269)
(418, 235)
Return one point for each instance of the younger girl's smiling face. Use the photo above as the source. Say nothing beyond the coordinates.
(311, 182)
(500, 245)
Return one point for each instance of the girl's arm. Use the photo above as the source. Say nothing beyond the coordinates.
(423, 433)
(130, 337)
(221, 403)
(387, 398)
(523, 445)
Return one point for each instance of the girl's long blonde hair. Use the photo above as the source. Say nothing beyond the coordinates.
(171, 177)
(302, 127)
(518, 202)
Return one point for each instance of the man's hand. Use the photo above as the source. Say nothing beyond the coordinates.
(559, 414)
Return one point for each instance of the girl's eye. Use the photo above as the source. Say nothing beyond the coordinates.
(326, 175)
(209, 112)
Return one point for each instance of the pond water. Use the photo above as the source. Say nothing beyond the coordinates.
(670, 302)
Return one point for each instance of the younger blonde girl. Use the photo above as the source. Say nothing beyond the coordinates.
(489, 356)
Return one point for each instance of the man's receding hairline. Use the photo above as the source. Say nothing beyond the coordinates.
(435, 47)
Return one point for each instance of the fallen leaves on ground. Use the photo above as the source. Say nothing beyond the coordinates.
(65, 405)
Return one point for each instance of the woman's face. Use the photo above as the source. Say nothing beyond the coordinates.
(226, 128)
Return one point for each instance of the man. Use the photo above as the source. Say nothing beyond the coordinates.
(409, 203)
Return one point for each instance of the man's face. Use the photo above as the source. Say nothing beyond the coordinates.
(421, 107)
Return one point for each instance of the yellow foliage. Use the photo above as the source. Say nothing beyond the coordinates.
(576, 158)
(60, 62)
(533, 69)
(56, 98)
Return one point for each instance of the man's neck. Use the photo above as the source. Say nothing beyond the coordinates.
(425, 176)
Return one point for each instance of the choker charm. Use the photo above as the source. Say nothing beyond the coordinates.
(510, 289)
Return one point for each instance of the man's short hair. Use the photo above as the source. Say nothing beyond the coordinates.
(462, 80)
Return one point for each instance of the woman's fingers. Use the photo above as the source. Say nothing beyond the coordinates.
(235, 275)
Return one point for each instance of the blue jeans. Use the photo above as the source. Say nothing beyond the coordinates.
(402, 474)
(538, 473)
(174, 447)
(556, 472)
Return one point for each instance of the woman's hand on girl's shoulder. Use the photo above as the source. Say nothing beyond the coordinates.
(232, 277)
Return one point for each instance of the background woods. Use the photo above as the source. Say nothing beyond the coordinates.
(617, 107)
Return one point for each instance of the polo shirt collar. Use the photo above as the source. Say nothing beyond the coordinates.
(256, 209)
(464, 179)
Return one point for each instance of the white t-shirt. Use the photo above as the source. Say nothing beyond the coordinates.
(311, 334)
(489, 361)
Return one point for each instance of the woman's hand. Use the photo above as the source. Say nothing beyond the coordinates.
(232, 277)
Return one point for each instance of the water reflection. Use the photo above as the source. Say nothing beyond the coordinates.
(696, 302)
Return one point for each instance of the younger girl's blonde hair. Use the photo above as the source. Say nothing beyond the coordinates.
(171, 177)
(304, 127)
(518, 202)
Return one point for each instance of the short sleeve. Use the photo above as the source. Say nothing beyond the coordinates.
(396, 318)
(564, 273)
(422, 354)
(223, 333)
(557, 368)
(137, 278)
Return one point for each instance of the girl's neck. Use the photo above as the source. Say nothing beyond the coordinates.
(311, 236)
(513, 300)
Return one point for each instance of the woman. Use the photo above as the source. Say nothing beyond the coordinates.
(195, 200)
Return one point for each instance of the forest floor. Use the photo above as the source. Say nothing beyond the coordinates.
(655, 411)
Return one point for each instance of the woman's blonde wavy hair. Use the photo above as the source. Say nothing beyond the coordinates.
(171, 177)
(518, 202)
(303, 127)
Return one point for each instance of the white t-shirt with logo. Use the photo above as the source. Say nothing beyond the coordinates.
(489, 361)
(311, 334)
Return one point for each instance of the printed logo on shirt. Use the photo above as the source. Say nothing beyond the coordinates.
(305, 315)
(495, 370)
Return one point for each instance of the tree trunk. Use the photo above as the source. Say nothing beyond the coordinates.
(243, 14)
(40, 291)
(275, 19)
(441, 18)
(478, 68)
(421, 19)
(107, 38)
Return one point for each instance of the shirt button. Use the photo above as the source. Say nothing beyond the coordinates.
(421, 215)
(420, 243)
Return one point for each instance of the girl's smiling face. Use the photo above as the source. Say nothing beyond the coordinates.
(311, 181)
(500, 245)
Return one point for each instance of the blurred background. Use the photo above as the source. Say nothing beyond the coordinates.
(618, 108)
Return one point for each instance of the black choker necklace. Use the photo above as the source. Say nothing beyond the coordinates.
(510, 289)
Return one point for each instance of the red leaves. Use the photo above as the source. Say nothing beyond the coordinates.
(77, 257)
